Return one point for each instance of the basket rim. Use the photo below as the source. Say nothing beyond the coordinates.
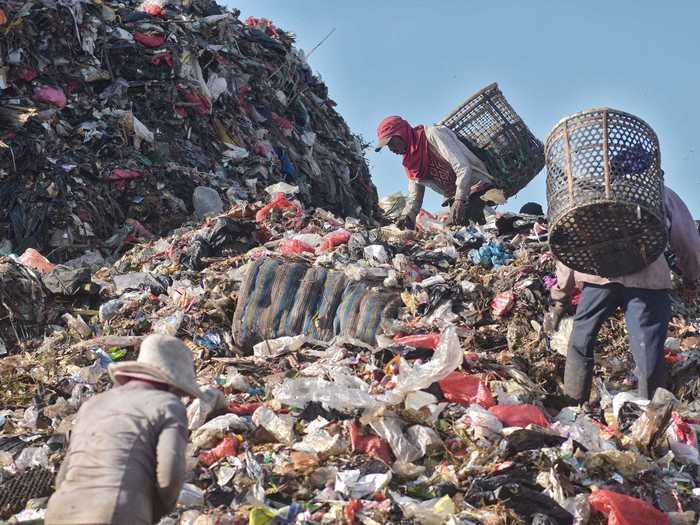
(595, 110)
(452, 113)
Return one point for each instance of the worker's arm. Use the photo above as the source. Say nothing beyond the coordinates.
(170, 458)
(450, 148)
(684, 238)
(562, 291)
(416, 192)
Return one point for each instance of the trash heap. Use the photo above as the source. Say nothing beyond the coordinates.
(445, 407)
(454, 413)
(118, 120)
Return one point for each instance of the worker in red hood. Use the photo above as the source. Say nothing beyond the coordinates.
(433, 156)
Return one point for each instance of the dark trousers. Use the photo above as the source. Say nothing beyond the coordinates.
(647, 314)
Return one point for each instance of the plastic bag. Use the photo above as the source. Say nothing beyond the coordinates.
(502, 303)
(389, 427)
(199, 410)
(35, 260)
(466, 390)
(626, 510)
(334, 239)
(355, 485)
(169, 325)
(50, 95)
(374, 446)
(293, 246)
(448, 356)
(519, 415)
(376, 254)
(280, 426)
(420, 341)
(299, 392)
(279, 346)
(426, 221)
(683, 441)
(243, 409)
(228, 447)
(560, 339)
(278, 202)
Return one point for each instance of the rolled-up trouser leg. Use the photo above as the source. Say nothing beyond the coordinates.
(595, 306)
(647, 314)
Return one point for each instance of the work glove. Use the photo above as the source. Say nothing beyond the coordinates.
(553, 317)
(406, 222)
(460, 213)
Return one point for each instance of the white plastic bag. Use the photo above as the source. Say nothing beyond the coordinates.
(447, 358)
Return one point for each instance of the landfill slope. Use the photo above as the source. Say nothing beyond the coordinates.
(365, 374)
(111, 114)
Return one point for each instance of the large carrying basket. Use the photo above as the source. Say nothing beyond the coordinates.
(487, 124)
(605, 193)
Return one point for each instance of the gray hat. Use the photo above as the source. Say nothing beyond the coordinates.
(161, 358)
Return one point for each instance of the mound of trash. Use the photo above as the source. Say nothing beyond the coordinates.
(355, 373)
(119, 120)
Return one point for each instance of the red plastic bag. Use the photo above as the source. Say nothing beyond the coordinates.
(422, 341)
(199, 103)
(289, 247)
(466, 390)
(34, 259)
(684, 432)
(502, 303)
(120, 175)
(626, 510)
(373, 446)
(278, 202)
(49, 95)
(519, 415)
(149, 39)
(228, 447)
(334, 239)
(243, 409)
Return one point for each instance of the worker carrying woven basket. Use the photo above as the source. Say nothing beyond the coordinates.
(433, 156)
(644, 297)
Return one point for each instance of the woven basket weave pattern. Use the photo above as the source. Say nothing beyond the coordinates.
(605, 193)
(490, 127)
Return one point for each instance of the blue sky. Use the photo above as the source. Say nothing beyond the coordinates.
(550, 58)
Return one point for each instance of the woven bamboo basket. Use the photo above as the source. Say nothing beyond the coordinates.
(488, 125)
(605, 192)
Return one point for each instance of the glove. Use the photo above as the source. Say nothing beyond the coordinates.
(405, 222)
(553, 317)
(460, 213)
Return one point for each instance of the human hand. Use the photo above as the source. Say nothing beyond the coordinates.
(460, 213)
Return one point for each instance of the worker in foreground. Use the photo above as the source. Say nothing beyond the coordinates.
(126, 460)
(644, 297)
(433, 156)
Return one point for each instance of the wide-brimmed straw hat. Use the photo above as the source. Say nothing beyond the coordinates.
(164, 359)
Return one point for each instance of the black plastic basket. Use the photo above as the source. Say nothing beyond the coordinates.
(487, 124)
(605, 193)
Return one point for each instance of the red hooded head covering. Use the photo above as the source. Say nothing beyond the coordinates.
(417, 157)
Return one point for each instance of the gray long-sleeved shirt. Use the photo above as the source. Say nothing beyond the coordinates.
(468, 168)
(684, 241)
(126, 460)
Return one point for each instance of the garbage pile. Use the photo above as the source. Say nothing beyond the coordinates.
(368, 374)
(119, 120)
(453, 413)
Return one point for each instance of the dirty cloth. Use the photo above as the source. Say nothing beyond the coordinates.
(647, 314)
(126, 459)
(453, 169)
(684, 241)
